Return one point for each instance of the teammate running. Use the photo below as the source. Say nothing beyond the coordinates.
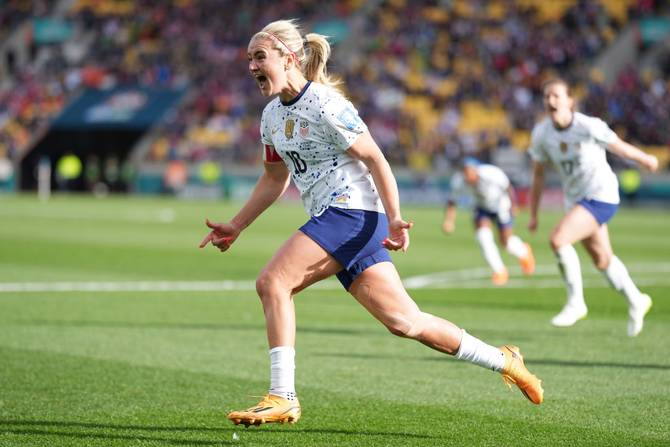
(493, 202)
(575, 145)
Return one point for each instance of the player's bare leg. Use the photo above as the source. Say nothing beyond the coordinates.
(490, 252)
(299, 263)
(380, 290)
(599, 248)
(517, 248)
(576, 225)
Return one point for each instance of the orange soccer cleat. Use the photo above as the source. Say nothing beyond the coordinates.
(270, 409)
(515, 372)
(500, 278)
(528, 261)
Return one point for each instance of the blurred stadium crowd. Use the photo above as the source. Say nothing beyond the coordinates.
(434, 79)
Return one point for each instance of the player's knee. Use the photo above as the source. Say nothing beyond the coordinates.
(406, 325)
(602, 260)
(267, 286)
(556, 242)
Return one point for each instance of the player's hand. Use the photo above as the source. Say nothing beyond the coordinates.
(651, 163)
(532, 224)
(398, 238)
(222, 235)
(448, 226)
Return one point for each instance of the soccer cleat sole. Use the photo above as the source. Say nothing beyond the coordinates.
(647, 308)
(258, 422)
(509, 382)
(570, 323)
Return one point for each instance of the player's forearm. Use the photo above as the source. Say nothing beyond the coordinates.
(630, 152)
(386, 186)
(265, 193)
(450, 213)
(536, 190)
(512, 195)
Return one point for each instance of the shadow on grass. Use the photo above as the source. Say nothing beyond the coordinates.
(567, 363)
(59, 428)
(195, 326)
(590, 364)
(364, 433)
(101, 431)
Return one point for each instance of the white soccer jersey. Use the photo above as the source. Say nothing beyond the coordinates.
(490, 193)
(578, 154)
(311, 134)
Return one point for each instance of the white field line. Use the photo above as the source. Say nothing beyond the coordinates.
(127, 286)
(546, 276)
(164, 215)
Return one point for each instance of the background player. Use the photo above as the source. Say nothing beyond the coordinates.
(312, 134)
(575, 145)
(493, 197)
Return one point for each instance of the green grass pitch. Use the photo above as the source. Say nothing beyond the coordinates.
(144, 366)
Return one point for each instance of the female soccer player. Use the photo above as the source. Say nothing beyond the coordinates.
(312, 134)
(493, 197)
(575, 144)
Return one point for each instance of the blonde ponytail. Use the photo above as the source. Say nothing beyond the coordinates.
(311, 53)
(318, 52)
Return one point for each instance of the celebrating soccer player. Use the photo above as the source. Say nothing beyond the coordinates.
(312, 134)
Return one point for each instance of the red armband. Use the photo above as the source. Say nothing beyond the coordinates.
(271, 155)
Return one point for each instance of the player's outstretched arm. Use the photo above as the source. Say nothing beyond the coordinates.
(513, 199)
(270, 186)
(630, 152)
(536, 194)
(449, 223)
(365, 149)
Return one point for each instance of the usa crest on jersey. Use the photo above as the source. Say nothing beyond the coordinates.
(304, 128)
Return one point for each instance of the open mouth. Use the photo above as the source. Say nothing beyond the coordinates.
(261, 80)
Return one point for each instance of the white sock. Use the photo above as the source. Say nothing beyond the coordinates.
(617, 275)
(282, 372)
(476, 351)
(489, 249)
(568, 264)
(516, 247)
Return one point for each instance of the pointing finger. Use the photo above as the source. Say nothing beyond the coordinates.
(206, 240)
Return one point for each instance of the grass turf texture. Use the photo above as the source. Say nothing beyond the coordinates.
(163, 368)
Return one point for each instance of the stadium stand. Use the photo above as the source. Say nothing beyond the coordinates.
(429, 92)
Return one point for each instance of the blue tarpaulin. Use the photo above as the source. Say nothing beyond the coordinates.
(129, 107)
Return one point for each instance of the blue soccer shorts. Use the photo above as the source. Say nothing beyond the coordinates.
(353, 237)
(602, 211)
(501, 219)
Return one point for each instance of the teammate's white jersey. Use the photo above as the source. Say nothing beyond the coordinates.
(490, 193)
(578, 154)
(311, 134)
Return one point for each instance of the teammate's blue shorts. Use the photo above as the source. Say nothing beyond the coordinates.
(602, 211)
(502, 221)
(353, 237)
